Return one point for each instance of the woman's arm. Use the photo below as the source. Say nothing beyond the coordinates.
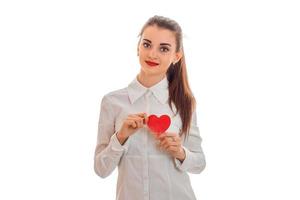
(194, 161)
(108, 150)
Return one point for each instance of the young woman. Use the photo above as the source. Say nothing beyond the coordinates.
(152, 166)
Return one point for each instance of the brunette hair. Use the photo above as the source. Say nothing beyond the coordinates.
(180, 93)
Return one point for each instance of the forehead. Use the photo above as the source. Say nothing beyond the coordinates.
(158, 35)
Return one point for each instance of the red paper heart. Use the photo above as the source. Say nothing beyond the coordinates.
(159, 124)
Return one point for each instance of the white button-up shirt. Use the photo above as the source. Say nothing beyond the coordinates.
(144, 171)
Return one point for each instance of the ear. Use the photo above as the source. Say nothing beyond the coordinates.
(178, 56)
(138, 47)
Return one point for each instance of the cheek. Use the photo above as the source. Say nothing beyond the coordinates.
(165, 67)
(142, 54)
(166, 63)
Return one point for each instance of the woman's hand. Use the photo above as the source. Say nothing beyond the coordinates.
(171, 143)
(130, 125)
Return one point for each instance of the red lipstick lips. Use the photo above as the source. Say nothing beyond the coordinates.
(152, 64)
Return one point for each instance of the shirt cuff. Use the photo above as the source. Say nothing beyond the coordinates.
(183, 166)
(116, 145)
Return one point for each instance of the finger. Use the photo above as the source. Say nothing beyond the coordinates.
(130, 118)
(140, 123)
(174, 138)
(165, 144)
(146, 119)
(171, 134)
(169, 140)
(131, 123)
(169, 137)
(177, 140)
(162, 136)
(166, 147)
(178, 144)
(142, 114)
(138, 120)
(172, 149)
(135, 124)
(134, 116)
(156, 136)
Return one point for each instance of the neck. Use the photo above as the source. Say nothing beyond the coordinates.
(148, 80)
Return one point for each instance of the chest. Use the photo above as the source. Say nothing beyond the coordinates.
(143, 141)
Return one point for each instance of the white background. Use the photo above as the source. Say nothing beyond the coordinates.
(58, 58)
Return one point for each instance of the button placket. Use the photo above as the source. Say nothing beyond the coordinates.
(145, 157)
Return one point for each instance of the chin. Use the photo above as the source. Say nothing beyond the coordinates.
(152, 72)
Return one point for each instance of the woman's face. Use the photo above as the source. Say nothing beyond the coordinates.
(157, 50)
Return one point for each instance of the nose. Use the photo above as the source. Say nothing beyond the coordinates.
(152, 54)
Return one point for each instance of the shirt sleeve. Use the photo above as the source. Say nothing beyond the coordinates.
(194, 161)
(108, 151)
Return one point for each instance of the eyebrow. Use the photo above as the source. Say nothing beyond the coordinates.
(160, 43)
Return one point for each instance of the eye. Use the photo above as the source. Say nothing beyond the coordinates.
(164, 49)
(146, 45)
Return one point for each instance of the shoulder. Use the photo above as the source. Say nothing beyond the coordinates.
(116, 94)
(115, 98)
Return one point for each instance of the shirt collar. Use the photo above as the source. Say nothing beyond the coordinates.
(160, 90)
